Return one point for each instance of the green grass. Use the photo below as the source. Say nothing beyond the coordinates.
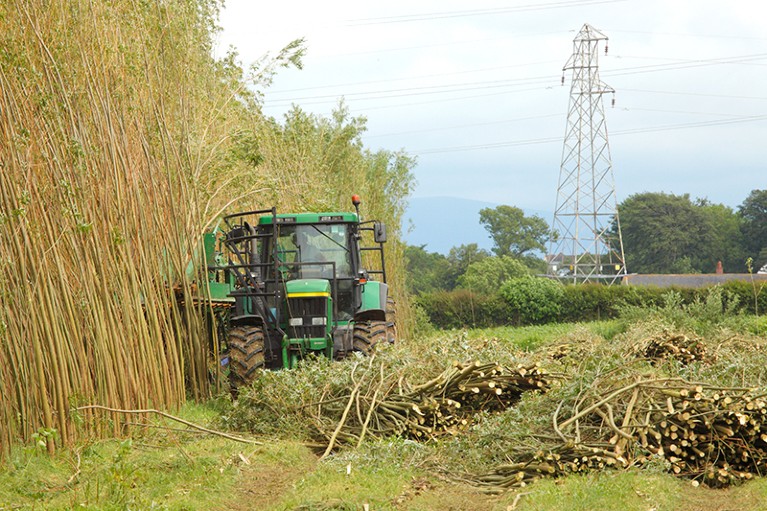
(623, 491)
(636, 490)
(162, 468)
(529, 338)
(156, 469)
(331, 484)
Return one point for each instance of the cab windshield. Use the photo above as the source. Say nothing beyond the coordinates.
(316, 247)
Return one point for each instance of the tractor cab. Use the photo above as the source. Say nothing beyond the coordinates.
(299, 285)
(318, 246)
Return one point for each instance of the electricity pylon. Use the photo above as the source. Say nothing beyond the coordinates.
(586, 244)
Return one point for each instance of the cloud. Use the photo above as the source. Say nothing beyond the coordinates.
(484, 88)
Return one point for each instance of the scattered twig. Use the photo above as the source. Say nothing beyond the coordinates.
(77, 470)
(332, 441)
(173, 418)
(516, 500)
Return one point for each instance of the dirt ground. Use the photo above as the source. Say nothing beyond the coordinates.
(263, 487)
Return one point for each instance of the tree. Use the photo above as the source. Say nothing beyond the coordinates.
(459, 260)
(753, 212)
(426, 271)
(728, 244)
(487, 276)
(666, 233)
(513, 233)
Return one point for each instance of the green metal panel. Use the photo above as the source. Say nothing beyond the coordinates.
(309, 218)
(209, 244)
(313, 286)
(318, 344)
(219, 292)
(371, 296)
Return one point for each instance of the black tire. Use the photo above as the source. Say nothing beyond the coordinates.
(391, 321)
(367, 335)
(246, 355)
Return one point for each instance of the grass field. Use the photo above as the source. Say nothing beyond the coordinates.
(163, 465)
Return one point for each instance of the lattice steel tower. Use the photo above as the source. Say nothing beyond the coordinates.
(588, 245)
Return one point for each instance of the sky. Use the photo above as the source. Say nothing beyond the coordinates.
(473, 90)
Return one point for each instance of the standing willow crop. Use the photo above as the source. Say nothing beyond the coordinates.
(122, 140)
(113, 137)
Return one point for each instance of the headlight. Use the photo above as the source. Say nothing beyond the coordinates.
(319, 321)
(296, 321)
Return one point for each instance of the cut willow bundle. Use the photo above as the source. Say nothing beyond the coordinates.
(713, 435)
(559, 460)
(441, 406)
(672, 346)
(718, 435)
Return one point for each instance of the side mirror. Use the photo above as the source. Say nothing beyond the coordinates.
(379, 232)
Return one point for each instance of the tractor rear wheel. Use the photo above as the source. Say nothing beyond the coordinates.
(246, 355)
(391, 320)
(367, 334)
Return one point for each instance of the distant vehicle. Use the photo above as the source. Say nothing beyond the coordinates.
(763, 269)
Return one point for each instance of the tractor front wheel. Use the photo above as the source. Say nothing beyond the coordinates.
(246, 355)
(367, 334)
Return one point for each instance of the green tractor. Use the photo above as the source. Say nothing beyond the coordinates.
(294, 285)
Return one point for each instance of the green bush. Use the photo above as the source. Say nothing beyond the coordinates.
(487, 275)
(462, 308)
(587, 302)
(534, 300)
(752, 297)
(595, 302)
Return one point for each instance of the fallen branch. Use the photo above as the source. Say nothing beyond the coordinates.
(173, 418)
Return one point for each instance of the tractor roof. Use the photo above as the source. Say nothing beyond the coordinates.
(309, 218)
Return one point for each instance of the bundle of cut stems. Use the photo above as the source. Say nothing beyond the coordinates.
(714, 435)
(676, 346)
(441, 406)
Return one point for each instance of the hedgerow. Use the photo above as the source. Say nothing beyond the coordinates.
(531, 300)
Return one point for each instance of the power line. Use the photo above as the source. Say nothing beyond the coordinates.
(681, 34)
(685, 112)
(414, 77)
(653, 68)
(518, 91)
(407, 18)
(513, 82)
(457, 98)
(701, 124)
(633, 131)
(547, 116)
(447, 43)
(419, 91)
(669, 59)
(462, 126)
(496, 145)
(701, 94)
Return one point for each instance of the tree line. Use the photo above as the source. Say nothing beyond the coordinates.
(662, 233)
(667, 233)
